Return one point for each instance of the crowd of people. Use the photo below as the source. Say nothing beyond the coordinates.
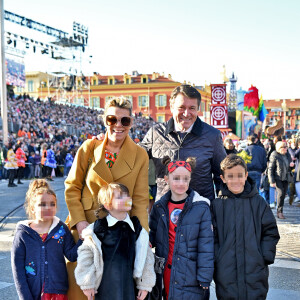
(50, 134)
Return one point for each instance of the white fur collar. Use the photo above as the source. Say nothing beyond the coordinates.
(197, 198)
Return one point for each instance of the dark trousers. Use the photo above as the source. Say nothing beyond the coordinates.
(31, 174)
(44, 171)
(256, 176)
(11, 176)
(20, 173)
(49, 172)
(267, 195)
(281, 189)
(292, 192)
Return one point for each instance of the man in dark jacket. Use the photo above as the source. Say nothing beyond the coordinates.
(258, 162)
(246, 235)
(185, 135)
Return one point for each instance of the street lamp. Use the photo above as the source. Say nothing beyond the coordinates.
(284, 109)
(42, 83)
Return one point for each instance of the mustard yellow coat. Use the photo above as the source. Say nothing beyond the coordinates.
(82, 185)
(86, 178)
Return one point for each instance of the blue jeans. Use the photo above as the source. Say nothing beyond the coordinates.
(256, 176)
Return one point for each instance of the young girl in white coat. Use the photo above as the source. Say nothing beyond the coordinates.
(115, 260)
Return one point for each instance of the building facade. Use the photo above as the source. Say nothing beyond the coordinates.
(286, 109)
(149, 93)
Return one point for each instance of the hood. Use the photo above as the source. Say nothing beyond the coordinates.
(250, 190)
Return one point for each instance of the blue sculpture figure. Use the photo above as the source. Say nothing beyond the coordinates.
(240, 98)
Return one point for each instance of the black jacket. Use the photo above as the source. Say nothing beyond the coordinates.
(204, 142)
(246, 235)
(277, 169)
(192, 262)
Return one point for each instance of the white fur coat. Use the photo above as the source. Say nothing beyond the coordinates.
(89, 270)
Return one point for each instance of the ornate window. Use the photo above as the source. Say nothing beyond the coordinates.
(143, 101)
(144, 79)
(161, 100)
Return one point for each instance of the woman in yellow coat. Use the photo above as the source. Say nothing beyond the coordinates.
(115, 159)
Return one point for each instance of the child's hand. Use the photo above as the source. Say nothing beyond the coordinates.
(141, 295)
(90, 293)
(80, 226)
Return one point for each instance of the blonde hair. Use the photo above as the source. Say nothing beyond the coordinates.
(279, 145)
(106, 194)
(36, 187)
(44, 146)
(120, 102)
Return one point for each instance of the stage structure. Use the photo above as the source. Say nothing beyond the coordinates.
(67, 49)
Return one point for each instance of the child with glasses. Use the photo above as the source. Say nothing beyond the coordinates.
(181, 233)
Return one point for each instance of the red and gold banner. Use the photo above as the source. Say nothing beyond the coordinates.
(218, 108)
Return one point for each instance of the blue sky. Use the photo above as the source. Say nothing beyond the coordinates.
(191, 40)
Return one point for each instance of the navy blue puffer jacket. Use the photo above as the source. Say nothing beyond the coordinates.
(193, 258)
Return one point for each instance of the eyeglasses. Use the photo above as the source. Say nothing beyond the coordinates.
(283, 147)
(112, 120)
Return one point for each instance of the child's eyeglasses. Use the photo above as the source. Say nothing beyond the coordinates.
(112, 120)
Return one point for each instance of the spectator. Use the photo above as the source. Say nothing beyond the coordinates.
(21, 158)
(279, 174)
(11, 165)
(31, 147)
(258, 162)
(31, 161)
(43, 160)
(68, 163)
(294, 153)
(229, 146)
(37, 163)
(50, 162)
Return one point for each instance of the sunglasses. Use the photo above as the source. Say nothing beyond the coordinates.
(112, 120)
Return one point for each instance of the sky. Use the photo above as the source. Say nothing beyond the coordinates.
(192, 40)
